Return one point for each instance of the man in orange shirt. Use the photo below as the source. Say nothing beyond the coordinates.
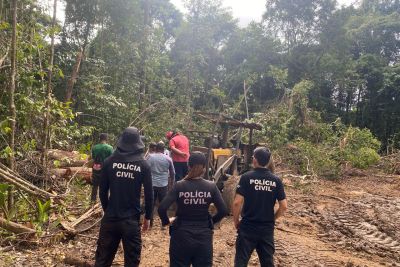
(179, 145)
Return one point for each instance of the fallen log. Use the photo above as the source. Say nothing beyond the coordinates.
(24, 185)
(15, 227)
(56, 154)
(96, 209)
(71, 227)
(60, 173)
(82, 172)
(75, 261)
(63, 158)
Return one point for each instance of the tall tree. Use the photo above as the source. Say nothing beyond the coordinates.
(80, 22)
(13, 74)
(46, 124)
(197, 49)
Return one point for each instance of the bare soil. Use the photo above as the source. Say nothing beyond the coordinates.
(351, 222)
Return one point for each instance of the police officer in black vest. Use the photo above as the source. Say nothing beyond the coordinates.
(257, 192)
(192, 230)
(123, 175)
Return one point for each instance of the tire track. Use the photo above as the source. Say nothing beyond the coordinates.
(369, 224)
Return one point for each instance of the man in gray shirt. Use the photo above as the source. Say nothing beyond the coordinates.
(162, 168)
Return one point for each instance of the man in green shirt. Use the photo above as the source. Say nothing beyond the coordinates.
(100, 152)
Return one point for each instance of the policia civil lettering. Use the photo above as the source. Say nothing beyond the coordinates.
(123, 175)
(192, 230)
(256, 194)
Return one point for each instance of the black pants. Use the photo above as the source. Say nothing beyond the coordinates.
(95, 185)
(159, 194)
(181, 170)
(111, 233)
(261, 241)
(191, 244)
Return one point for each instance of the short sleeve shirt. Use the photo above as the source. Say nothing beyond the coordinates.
(180, 142)
(101, 151)
(260, 189)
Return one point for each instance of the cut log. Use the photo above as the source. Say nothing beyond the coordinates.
(82, 172)
(228, 193)
(56, 154)
(63, 158)
(75, 261)
(60, 173)
(15, 227)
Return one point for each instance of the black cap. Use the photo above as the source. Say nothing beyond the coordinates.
(130, 140)
(262, 155)
(197, 158)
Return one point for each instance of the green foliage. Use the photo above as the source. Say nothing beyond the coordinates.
(359, 147)
(363, 158)
(4, 191)
(43, 210)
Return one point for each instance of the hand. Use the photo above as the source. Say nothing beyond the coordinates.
(145, 225)
(171, 220)
(237, 224)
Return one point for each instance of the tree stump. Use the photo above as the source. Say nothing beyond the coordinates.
(228, 193)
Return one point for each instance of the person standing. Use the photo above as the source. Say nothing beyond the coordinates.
(123, 175)
(179, 145)
(192, 230)
(162, 173)
(256, 195)
(99, 154)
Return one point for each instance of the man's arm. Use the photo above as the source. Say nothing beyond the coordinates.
(171, 170)
(237, 209)
(282, 209)
(220, 204)
(177, 151)
(104, 186)
(165, 204)
(148, 197)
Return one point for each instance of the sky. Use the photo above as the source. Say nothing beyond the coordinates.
(247, 10)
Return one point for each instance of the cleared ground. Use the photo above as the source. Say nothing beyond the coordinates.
(351, 222)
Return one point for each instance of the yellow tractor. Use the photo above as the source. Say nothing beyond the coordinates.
(227, 157)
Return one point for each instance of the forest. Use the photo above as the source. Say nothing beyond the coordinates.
(323, 81)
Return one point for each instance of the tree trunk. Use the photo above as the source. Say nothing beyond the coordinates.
(11, 89)
(75, 71)
(143, 50)
(13, 113)
(79, 57)
(46, 124)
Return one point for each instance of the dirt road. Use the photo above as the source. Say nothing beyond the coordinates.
(350, 222)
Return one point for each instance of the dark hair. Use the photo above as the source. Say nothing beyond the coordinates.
(152, 146)
(197, 158)
(160, 147)
(103, 137)
(262, 155)
(197, 165)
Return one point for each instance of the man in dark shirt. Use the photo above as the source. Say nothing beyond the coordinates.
(123, 175)
(257, 192)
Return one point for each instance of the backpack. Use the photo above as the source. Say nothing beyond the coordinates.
(98, 163)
